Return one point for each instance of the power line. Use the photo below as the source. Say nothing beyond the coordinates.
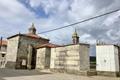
(80, 21)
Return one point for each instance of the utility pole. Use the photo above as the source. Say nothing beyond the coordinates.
(0, 43)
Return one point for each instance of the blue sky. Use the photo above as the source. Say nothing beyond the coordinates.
(18, 15)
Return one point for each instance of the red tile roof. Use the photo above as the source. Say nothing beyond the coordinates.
(33, 36)
(3, 43)
(50, 45)
(28, 35)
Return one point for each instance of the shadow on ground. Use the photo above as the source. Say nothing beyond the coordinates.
(15, 73)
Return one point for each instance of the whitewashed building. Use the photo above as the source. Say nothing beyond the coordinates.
(108, 60)
(3, 52)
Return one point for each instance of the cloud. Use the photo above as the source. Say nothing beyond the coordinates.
(17, 15)
(112, 19)
(62, 12)
(13, 10)
(11, 14)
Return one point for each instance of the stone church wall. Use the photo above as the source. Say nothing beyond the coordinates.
(17, 50)
(23, 49)
(12, 48)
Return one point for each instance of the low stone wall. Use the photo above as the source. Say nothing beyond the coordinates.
(10, 65)
(72, 57)
(76, 72)
(110, 74)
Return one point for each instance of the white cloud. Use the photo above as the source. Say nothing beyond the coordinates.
(61, 12)
(73, 9)
(81, 9)
(35, 3)
(13, 15)
(113, 34)
(13, 9)
(69, 11)
(112, 19)
(85, 36)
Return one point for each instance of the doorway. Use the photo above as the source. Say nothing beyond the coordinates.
(33, 62)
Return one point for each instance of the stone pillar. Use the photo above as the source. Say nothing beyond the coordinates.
(29, 56)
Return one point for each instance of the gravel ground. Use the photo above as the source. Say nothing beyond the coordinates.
(35, 75)
(59, 76)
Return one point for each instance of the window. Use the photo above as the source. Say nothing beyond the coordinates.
(3, 55)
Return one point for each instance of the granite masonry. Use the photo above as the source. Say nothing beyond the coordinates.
(21, 52)
(72, 58)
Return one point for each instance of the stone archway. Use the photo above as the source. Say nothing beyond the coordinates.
(33, 61)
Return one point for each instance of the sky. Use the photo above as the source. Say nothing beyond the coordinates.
(18, 15)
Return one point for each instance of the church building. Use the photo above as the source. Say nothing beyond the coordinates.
(30, 51)
(21, 52)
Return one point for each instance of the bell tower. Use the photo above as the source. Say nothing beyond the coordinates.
(32, 29)
(75, 37)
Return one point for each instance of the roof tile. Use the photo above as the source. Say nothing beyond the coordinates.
(3, 42)
(50, 45)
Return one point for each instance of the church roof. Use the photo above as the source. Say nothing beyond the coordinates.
(34, 36)
(3, 43)
(50, 45)
(31, 34)
(28, 35)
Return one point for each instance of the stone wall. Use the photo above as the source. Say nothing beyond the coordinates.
(17, 51)
(22, 54)
(47, 58)
(43, 58)
(84, 57)
(40, 59)
(12, 49)
(70, 58)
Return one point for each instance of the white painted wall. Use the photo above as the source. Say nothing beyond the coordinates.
(107, 58)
